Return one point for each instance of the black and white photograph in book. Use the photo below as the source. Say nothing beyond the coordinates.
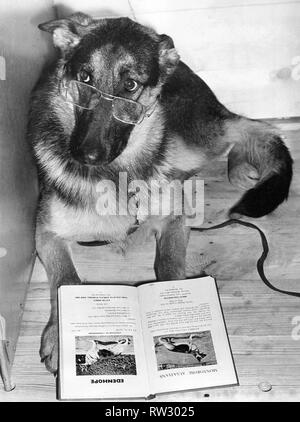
(105, 355)
(184, 350)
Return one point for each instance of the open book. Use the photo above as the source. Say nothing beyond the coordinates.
(121, 341)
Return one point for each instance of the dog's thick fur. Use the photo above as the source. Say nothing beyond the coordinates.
(76, 149)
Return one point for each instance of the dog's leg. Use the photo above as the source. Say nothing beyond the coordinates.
(171, 244)
(55, 256)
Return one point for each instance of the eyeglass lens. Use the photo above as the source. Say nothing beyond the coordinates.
(87, 97)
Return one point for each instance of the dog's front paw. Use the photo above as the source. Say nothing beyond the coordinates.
(49, 347)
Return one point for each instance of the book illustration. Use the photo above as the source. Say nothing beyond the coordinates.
(105, 355)
(184, 350)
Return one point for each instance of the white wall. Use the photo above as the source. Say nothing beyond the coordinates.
(23, 50)
(247, 51)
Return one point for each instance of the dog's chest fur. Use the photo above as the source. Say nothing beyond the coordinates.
(87, 224)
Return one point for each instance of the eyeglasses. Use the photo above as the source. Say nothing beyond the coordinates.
(87, 97)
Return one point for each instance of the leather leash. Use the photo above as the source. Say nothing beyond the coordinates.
(261, 260)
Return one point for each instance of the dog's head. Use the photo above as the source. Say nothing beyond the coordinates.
(109, 58)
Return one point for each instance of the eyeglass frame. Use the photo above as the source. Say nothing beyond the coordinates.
(110, 97)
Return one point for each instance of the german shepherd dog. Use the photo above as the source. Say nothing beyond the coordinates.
(118, 99)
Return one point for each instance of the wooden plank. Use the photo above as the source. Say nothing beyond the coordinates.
(236, 394)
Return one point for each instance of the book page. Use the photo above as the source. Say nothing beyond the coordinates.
(101, 349)
(185, 338)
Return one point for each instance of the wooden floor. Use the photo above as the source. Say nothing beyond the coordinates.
(259, 321)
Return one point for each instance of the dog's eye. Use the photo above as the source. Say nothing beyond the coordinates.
(131, 85)
(84, 77)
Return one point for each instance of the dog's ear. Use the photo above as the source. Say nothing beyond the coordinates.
(168, 55)
(68, 32)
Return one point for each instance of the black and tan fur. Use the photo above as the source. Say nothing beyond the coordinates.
(75, 149)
